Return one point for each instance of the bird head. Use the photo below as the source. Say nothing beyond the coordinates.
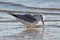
(42, 18)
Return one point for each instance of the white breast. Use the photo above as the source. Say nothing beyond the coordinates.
(43, 17)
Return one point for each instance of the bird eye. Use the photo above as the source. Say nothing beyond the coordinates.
(40, 15)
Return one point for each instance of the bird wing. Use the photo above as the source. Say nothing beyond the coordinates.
(26, 17)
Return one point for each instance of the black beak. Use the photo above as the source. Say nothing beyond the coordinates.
(42, 20)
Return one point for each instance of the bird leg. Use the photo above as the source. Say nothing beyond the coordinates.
(30, 27)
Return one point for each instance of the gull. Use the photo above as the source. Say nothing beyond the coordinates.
(29, 20)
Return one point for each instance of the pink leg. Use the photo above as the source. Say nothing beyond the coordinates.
(30, 27)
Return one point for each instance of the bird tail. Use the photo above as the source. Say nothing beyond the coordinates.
(15, 15)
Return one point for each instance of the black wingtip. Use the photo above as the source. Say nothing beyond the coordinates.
(14, 15)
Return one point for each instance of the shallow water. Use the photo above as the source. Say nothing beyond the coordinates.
(12, 30)
(37, 3)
